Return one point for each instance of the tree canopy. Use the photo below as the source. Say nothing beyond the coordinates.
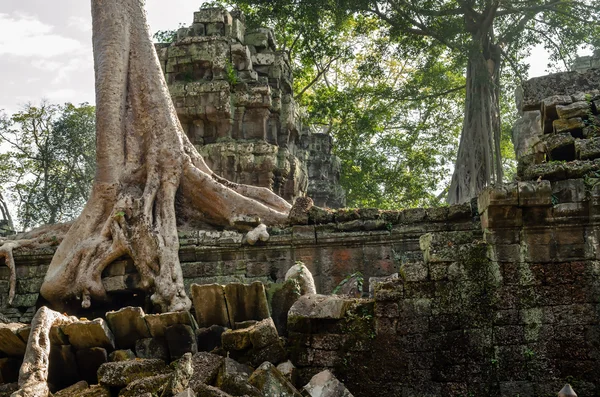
(50, 162)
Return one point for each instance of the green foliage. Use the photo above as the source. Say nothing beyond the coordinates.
(386, 79)
(50, 163)
(165, 36)
(358, 276)
(230, 73)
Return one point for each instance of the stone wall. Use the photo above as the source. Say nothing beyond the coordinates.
(514, 311)
(332, 244)
(232, 90)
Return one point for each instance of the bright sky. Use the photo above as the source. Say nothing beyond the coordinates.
(46, 49)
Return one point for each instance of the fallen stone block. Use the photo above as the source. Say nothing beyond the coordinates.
(122, 373)
(10, 342)
(158, 323)
(74, 388)
(576, 109)
(246, 302)
(93, 391)
(88, 362)
(325, 384)
(271, 382)
(186, 393)
(152, 348)
(181, 376)
(154, 385)
(311, 307)
(209, 304)
(206, 367)
(121, 355)
(127, 325)
(87, 334)
(288, 370)
(233, 379)
(181, 339)
(209, 338)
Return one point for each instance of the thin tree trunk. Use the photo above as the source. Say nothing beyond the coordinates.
(144, 160)
(478, 163)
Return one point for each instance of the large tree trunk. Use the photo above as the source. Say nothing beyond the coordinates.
(144, 160)
(478, 162)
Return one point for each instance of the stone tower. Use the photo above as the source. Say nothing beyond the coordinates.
(232, 90)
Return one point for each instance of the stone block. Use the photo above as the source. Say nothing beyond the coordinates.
(62, 368)
(569, 191)
(587, 148)
(158, 323)
(568, 125)
(85, 334)
(146, 387)
(312, 307)
(181, 339)
(210, 306)
(502, 217)
(212, 15)
(325, 384)
(564, 83)
(73, 389)
(209, 338)
(526, 133)
(127, 325)
(233, 379)
(246, 302)
(576, 109)
(122, 373)
(88, 362)
(535, 194)
(503, 195)
(57, 336)
(10, 342)
(206, 368)
(121, 355)
(271, 382)
(152, 348)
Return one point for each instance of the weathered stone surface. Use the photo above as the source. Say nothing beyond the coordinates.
(303, 277)
(9, 388)
(88, 362)
(587, 148)
(181, 339)
(209, 303)
(121, 355)
(89, 333)
(526, 133)
(158, 323)
(566, 125)
(283, 299)
(93, 391)
(271, 382)
(565, 83)
(288, 370)
(206, 368)
(233, 379)
(576, 109)
(324, 384)
(153, 385)
(181, 376)
(71, 390)
(127, 325)
(535, 194)
(246, 302)
(10, 343)
(155, 348)
(122, 373)
(316, 307)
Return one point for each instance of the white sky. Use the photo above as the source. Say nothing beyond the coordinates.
(46, 52)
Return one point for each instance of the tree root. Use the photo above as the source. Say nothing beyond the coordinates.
(33, 375)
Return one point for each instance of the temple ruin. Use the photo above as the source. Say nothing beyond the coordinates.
(496, 297)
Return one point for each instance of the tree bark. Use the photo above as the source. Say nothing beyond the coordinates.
(479, 163)
(145, 163)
